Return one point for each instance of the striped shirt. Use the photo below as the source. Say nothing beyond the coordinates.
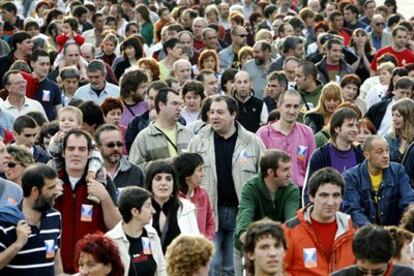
(37, 257)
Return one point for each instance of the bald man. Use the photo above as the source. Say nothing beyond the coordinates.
(377, 191)
(252, 110)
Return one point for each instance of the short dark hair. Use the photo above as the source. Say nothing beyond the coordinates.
(132, 197)
(258, 230)
(92, 113)
(280, 77)
(96, 65)
(38, 53)
(35, 176)
(130, 24)
(271, 159)
(309, 69)
(269, 10)
(130, 81)
(79, 11)
(352, 8)
(18, 37)
(185, 165)
(23, 122)
(232, 105)
(9, 6)
(170, 44)
(228, 75)
(374, 244)
(96, 15)
(134, 42)
(324, 176)
(351, 79)
(39, 118)
(205, 108)
(333, 41)
(404, 83)
(103, 128)
(339, 117)
(193, 86)
(399, 28)
(157, 85)
(77, 133)
(162, 97)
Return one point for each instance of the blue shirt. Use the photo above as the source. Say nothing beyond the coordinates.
(86, 93)
(49, 95)
(37, 257)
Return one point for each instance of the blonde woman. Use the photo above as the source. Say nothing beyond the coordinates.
(329, 101)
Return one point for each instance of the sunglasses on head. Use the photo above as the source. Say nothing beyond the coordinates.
(113, 144)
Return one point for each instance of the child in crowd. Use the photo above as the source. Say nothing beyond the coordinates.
(69, 118)
(69, 33)
(376, 93)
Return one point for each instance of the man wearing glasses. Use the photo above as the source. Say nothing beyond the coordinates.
(374, 248)
(122, 172)
(377, 36)
(229, 56)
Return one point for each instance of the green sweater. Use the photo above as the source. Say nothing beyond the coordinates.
(256, 203)
(147, 32)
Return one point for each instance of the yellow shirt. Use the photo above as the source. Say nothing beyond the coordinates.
(172, 135)
(376, 182)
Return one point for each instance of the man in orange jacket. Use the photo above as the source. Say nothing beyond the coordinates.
(320, 237)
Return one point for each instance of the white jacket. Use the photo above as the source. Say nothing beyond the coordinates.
(186, 218)
(117, 234)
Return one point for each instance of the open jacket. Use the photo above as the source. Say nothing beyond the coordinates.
(300, 236)
(394, 195)
(344, 68)
(117, 234)
(246, 157)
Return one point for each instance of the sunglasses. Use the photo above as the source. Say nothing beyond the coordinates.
(380, 24)
(113, 144)
(242, 35)
(11, 165)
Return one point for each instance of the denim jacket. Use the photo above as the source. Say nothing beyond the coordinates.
(394, 195)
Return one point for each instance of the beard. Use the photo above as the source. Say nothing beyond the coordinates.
(259, 61)
(43, 204)
(137, 98)
(113, 157)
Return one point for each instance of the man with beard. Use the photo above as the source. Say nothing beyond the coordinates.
(259, 66)
(109, 140)
(34, 217)
(377, 191)
(98, 88)
(132, 89)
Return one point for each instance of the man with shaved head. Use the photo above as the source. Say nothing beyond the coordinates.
(252, 110)
(377, 191)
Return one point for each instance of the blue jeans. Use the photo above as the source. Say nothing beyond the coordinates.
(222, 263)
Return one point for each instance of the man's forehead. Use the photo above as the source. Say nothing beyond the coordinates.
(74, 140)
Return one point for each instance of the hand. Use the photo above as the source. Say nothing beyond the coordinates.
(23, 232)
(243, 238)
(97, 189)
(59, 188)
(90, 176)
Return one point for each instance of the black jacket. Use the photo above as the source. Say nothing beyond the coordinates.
(397, 270)
(376, 112)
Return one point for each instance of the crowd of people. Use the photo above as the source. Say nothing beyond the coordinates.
(200, 137)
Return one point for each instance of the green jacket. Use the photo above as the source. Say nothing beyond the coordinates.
(310, 100)
(256, 203)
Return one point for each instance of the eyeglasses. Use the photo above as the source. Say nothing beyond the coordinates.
(378, 24)
(242, 35)
(11, 165)
(113, 144)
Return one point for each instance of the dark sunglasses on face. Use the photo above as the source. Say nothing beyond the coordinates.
(242, 35)
(11, 165)
(380, 24)
(113, 144)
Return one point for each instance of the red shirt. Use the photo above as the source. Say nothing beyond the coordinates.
(404, 57)
(326, 233)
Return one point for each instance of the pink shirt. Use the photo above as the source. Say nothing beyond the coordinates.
(299, 144)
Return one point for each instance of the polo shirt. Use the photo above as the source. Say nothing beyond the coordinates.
(37, 257)
(28, 106)
(86, 93)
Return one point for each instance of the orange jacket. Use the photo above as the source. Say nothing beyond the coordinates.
(302, 240)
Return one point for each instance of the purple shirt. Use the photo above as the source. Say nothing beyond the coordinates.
(130, 111)
(299, 144)
(341, 160)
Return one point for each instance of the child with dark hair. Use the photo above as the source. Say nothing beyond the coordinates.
(69, 33)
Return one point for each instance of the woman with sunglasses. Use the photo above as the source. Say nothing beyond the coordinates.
(20, 159)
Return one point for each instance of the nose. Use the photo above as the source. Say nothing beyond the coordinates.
(152, 210)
